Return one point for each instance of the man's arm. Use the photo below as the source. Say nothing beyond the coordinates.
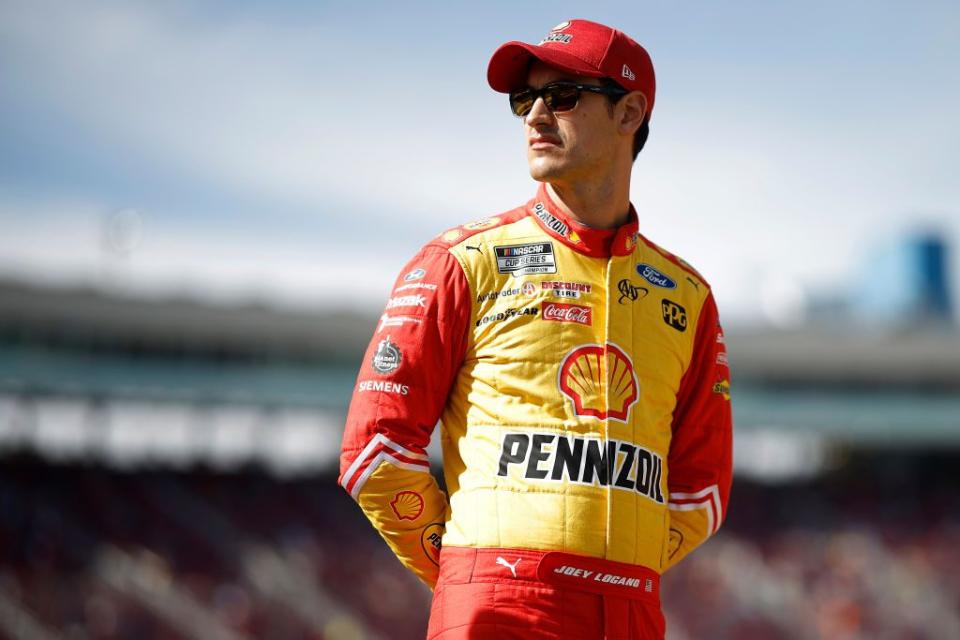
(401, 391)
(701, 458)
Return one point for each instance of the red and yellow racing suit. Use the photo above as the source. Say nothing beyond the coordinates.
(581, 380)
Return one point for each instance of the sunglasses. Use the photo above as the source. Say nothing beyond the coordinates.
(558, 96)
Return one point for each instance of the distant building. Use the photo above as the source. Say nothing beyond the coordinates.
(906, 283)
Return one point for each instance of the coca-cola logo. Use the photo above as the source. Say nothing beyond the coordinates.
(559, 312)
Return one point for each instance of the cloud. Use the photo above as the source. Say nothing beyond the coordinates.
(64, 241)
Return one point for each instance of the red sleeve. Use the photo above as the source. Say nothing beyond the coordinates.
(406, 374)
(701, 459)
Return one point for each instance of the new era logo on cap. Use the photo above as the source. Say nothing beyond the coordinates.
(628, 74)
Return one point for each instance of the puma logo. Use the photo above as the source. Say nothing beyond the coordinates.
(512, 567)
(476, 248)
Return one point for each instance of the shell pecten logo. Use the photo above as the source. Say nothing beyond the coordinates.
(407, 505)
(600, 382)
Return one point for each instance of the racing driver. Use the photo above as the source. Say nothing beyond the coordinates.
(578, 371)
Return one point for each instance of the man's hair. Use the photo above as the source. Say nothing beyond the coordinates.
(640, 137)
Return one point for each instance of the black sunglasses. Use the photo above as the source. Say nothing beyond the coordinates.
(558, 96)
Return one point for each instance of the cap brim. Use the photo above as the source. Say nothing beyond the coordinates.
(508, 66)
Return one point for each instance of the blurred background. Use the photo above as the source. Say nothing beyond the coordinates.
(202, 209)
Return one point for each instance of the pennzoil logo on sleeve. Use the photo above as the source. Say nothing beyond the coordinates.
(591, 461)
(526, 259)
(430, 541)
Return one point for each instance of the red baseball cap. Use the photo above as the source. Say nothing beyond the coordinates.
(579, 47)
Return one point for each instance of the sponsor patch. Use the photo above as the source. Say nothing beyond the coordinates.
(451, 235)
(430, 541)
(507, 315)
(387, 357)
(560, 312)
(580, 380)
(387, 321)
(565, 289)
(416, 274)
(629, 291)
(674, 315)
(416, 285)
(722, 359)
(582, 460)
(416, 300)
(484, 223)
(494, 295)
(528, 288)
(383, 386)
(676, 540)
(407, 505)
(526, 259)
(722, 387)
(655, 277)
(551, 221)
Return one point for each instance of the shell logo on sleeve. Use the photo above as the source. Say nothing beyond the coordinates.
(407, 505)
(600, 382)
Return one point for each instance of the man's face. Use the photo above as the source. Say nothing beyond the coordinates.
(569, 146)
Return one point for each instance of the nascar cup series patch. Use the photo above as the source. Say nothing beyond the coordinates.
(526, 259)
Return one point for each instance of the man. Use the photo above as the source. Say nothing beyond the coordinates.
(578, 369)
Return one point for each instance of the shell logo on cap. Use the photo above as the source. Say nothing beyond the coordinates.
(407, 505)
(600, 382)
(560, 27)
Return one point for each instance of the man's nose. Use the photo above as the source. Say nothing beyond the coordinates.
(539, 113)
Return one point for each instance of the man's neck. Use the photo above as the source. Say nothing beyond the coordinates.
(599, 206)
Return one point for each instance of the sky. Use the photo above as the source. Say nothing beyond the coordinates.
(298, 153)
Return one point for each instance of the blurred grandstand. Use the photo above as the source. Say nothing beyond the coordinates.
(169, 471)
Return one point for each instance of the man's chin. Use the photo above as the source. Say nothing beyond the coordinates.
(543, 171)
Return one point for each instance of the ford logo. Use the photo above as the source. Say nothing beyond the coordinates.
(654, 277)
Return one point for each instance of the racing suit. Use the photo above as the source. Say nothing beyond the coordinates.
(581, 380)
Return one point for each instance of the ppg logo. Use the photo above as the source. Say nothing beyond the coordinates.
(674, 315)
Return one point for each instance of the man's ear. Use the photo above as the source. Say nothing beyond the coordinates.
(633, 109)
